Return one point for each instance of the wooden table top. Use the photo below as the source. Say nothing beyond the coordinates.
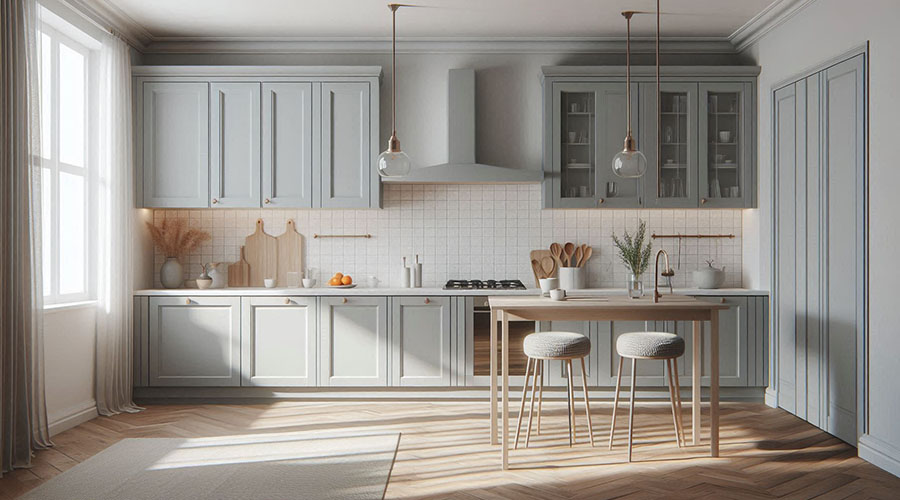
(574, 302)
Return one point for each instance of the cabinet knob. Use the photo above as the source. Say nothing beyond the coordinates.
(427, 300)
(267, 201)
(344, 300)
(722, 300)
(215, 200)
(287, 301)
(600, 201)
(187, 301)
(703, 201)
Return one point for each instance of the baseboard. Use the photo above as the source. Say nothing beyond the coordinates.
(880, 453)
(771, 397)
(73, 416)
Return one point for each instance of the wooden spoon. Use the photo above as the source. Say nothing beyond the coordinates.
(588, 251)
(536, 267)
(548, 265)
(579, 253)
(556, 252)
(569, 250)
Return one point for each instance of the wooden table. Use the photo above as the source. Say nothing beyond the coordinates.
(614, 308)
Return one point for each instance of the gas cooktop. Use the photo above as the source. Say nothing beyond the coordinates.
(484, 285)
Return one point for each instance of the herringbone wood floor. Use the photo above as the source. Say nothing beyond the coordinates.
(766, 453)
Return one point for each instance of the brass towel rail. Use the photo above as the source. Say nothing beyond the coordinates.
(342, 235)
(654, 235)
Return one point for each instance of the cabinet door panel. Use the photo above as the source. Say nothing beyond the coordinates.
(278, 341)
(235, 151)
(287, 145)
(726, 145)
(195, 341)
(420, 340)
(671, 182)
(354, 341)
(346, 159)
(175, 144)
(733, 342)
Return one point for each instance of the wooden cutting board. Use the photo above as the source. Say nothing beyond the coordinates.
(290, 253)
(538, 255)
(261, 252)
(239, 272)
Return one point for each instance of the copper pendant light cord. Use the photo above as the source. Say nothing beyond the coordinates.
(658, 96)
(394, 142)
(628, 68)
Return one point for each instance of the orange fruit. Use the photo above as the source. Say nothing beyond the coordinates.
(347, 280)
(334, 281)
(338, 275)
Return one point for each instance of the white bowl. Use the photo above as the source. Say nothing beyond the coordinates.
(204, 283)
(269, 282)
(558, 294)
(548, 284)
(309, 282)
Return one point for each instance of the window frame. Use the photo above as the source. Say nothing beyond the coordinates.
(52, 251)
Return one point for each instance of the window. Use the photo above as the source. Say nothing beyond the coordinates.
(68, 162)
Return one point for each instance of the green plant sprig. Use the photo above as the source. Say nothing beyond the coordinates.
(632, 251)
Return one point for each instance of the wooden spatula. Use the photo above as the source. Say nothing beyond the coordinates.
(548, 265)
(556, 252)
(579, 254)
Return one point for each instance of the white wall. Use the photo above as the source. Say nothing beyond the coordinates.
(69, 340)
(823, 30)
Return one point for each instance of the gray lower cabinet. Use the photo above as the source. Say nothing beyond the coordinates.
(235, 150)
(353, 341)
(421, 341)
(173, 143)
(278, 341)
(195, 341)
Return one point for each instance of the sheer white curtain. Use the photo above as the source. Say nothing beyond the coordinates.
(114, 227)
(23, 412)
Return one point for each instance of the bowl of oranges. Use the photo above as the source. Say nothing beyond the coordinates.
(341, 281)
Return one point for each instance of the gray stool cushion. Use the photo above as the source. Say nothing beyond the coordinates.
(649, 345)
(556, 345)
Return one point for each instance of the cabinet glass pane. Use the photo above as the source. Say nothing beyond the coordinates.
(724, 136)
(673, 166)
(578, 135)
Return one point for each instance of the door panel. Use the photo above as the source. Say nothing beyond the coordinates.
(672, 182)
(726, 152)
(235, 150)
(278, 341)
(346, 159)
(353, 341)
(420, 341)
(287, 173)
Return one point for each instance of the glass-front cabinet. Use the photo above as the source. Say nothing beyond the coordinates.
(671, 182)
(589, 123)
(726, 155)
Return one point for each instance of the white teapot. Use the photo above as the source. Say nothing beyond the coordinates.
(219, 277)
(709, 276)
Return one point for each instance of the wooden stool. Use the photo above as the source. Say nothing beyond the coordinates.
(649, 345)
(564, 346)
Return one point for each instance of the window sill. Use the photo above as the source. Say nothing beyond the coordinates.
(68, 306)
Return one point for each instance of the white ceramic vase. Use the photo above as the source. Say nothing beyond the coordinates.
(171, 274)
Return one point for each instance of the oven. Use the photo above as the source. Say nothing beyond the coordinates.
(478, 344)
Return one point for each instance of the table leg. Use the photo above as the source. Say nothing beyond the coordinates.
(714, 383)
(493, 376)
(696, 363)
(505, 382)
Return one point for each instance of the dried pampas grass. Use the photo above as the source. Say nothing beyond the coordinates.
(174, 240)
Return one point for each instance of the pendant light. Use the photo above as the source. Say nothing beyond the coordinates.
(629, 162)
(393, 162)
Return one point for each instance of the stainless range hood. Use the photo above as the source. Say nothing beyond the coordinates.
(461, 167)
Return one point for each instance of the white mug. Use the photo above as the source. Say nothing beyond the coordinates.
(558, 294)
(724, 136)
(372, 282)
(269, 282)
(548, 284)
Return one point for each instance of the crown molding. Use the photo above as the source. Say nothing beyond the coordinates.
(114, 20)
(381, 45)
(776, 14)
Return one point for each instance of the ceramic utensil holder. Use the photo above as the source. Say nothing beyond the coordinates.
(572, 278)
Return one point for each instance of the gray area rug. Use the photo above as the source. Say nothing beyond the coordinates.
(265, 466)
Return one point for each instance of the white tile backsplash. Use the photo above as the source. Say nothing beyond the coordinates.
(466, 232)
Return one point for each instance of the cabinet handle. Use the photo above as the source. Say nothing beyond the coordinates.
(267, 201)
(344, 300)
(187, 301)
(287, 301)
(427, 300)
(600, 201)
(215, 200)
(723, 300)
(703, 201)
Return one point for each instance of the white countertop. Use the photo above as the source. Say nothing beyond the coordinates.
(360, 290)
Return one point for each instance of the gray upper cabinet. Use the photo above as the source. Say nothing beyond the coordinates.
(234, 154)
(174, 149)
(706, 134)
(278, 341)
(347, 161)
(263, 136)
(195, 341)
(420, 341)
(288, 128)
(354, 341)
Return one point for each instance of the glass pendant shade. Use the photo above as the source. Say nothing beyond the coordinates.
(393, 164)
(629, 164)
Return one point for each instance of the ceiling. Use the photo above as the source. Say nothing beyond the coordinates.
(323, 19)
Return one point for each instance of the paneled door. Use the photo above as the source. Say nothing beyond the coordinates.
(819, 246)
(671, 182)
(347, 162)
(195, 341)
(420, 341)
(354, 341)
(235, 150)
(288, 137)
(278, 341)
(726, 145)
(175, 148)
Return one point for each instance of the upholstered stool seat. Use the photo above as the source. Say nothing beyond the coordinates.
(649, 345)
(555, 345)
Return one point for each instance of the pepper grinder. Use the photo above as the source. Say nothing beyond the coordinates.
(417, 273)
(404, 275)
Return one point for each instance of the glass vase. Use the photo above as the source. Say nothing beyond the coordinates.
(635, 286)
